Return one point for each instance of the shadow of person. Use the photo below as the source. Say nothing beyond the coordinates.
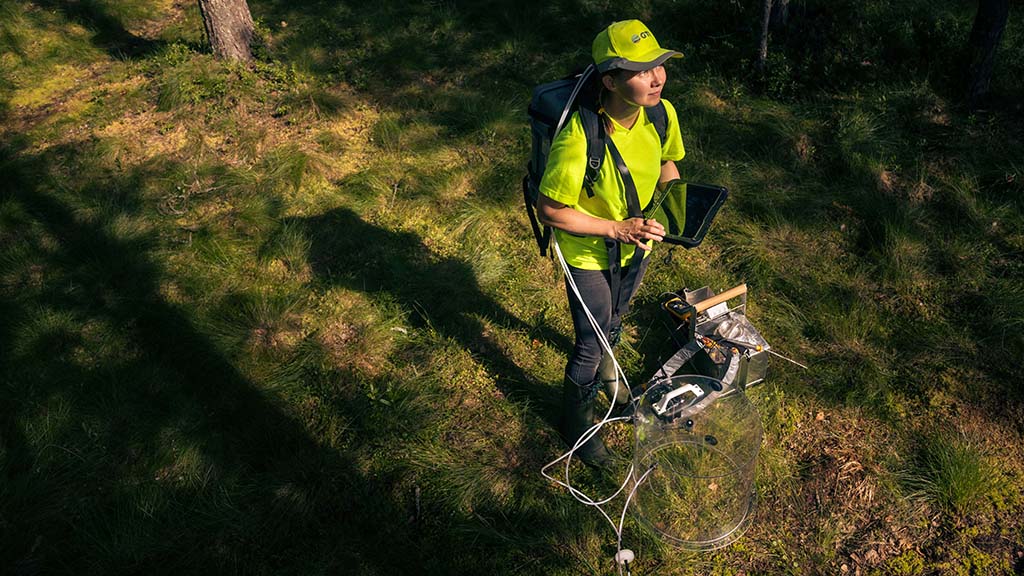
(109, 32)
(443, 292)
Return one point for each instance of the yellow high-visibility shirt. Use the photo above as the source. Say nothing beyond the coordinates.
(643, 153)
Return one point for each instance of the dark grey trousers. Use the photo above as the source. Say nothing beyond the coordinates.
(596, 288)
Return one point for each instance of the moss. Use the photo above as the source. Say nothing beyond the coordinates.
(58, 80)
(973, 562)
(909, 563)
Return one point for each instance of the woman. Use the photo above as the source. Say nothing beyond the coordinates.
(605, 249)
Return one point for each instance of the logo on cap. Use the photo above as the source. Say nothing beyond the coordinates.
(638, 37)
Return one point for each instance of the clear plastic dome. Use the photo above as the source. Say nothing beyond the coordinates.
(695, 460)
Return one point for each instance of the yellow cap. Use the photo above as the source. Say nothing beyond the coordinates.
(629, 45)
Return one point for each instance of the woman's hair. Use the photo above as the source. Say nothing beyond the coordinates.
(602, 92)
(595, 93)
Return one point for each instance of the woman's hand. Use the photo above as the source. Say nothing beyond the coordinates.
(638, 231)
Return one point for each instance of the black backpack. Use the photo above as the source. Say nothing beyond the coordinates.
(550, 109)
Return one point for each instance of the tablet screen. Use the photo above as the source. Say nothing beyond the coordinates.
(686, 210)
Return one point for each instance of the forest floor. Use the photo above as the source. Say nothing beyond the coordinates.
(288, 317)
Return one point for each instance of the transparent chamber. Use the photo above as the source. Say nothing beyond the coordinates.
(695, 461)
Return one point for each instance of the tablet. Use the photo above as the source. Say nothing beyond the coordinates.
(686, 211)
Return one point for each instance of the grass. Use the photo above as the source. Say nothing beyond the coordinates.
(951, 474)
(288, 317)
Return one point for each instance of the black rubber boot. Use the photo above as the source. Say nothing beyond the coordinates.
(614, 387)
(577, 418)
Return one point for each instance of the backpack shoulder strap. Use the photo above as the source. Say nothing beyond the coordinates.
(659, 117)
(632, 198)
(594, 131)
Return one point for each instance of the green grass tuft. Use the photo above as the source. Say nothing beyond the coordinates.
(952, 473)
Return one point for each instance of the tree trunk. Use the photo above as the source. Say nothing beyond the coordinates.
(780, 14)
(762, 47)
(989, 24)
(229, 27)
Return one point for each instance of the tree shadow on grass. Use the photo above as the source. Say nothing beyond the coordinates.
(442, 292)
(110, 33)
(131, 443)
(460, 65)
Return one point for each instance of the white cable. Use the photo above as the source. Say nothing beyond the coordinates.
(622, 519)
(595, 429)
(572, 97)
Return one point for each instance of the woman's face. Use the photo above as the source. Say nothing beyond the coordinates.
(639, 88)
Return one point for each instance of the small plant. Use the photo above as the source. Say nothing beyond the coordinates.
(859, 136)
(286, 167)
(190, 84)
(950, 472)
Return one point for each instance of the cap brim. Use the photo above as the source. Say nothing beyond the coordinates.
(657, 59)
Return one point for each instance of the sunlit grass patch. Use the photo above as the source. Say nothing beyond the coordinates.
(42, 53)
(189, 83)
(357, 333)
(904, 267)
(380, 187)
(331, 142)
(184, 25)
(783, 323)
(145, 134)
(416, 195)
(909, 563)
(469, 112)
(386, 134)
(308, 101)
(216, 265)
(58, 80)
(770, 253)
(758, 261)
(478, 225)
(476, 466)
(195, 80)
(476, 221)
(287, 248)
(286, 165)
